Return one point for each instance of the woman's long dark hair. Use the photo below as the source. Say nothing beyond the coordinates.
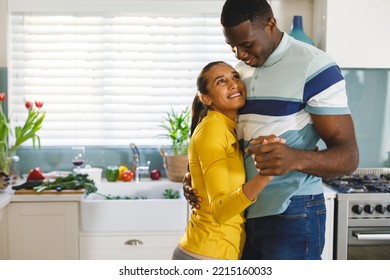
(199, 110)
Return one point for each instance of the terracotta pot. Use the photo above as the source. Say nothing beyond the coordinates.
(175, 167)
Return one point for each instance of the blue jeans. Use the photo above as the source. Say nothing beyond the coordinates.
(296, 234)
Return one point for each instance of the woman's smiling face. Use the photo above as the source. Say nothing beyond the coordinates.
(226, 90)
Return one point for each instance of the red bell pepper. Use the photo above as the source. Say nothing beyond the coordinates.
(35, 174)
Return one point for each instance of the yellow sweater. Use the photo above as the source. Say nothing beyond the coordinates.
(217, 172)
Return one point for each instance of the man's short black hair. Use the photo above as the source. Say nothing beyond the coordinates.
(235, 12)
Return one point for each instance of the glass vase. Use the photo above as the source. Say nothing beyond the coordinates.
(5, 164)
(9, 171)
(5, 171)
(297, 31)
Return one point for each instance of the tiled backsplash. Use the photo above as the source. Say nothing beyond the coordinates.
(369, 99)
(59, 158)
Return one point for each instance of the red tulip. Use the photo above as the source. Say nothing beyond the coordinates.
(39, 104)
(28, 104)
(2, 96)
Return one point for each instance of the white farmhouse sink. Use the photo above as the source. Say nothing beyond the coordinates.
(155, 213)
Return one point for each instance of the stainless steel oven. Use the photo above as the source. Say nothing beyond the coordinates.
(362, 233)
(368, 243)
(362, 215)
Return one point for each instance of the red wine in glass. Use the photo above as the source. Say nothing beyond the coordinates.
(78, 162)
(78, 157)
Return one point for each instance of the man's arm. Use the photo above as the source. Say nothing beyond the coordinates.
(340, 157)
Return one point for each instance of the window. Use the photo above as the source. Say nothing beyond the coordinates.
(108, 80)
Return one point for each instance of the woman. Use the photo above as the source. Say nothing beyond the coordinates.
(216, 231)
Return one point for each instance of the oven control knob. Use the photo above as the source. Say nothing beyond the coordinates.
(388, 208)
(369, 209)
(380, 209)
(357, 209)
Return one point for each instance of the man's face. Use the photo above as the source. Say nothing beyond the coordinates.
(250, 43)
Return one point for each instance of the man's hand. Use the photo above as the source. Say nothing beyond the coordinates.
(273, 158)
(271, 155)
(340, 157)
(190, 193)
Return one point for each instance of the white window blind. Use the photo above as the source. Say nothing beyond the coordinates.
(108, 80)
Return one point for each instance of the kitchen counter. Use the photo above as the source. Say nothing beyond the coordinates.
(8, 196)
(45, 197)
(90, 245)
(329, 192)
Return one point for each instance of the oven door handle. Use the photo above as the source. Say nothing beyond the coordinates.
(372, 236)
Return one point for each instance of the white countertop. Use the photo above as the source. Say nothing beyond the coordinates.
(329, 192)
(8, 196)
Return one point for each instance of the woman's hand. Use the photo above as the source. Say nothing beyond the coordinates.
(190, 193)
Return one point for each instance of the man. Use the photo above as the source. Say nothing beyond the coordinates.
(296, 92)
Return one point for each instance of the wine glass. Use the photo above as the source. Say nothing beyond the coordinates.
(78, 157)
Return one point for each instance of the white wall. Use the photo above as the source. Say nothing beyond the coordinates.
(3, 33)
(284, 11)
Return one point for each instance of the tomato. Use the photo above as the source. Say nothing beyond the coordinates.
(127, 176)
(35, 174)
(121, 169)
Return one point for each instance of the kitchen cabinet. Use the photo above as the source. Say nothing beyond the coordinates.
(43, 230)
(351, 31)
(128, 246)
(3, 234)
(160, 245)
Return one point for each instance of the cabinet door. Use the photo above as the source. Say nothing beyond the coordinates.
(353, 32)
(44, 230)
(3, 234)
(153, 246)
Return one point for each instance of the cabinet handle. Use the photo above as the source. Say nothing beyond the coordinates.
(134, 242)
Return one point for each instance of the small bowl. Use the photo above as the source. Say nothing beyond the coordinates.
(94, 173)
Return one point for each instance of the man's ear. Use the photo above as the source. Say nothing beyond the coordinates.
(271, 23)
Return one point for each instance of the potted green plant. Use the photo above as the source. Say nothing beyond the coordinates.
(177, 127)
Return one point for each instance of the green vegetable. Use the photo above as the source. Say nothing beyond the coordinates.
(168, 194)
(71, 182)
(171, 194)
(118, 197)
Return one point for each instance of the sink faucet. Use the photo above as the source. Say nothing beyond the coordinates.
(137, 168)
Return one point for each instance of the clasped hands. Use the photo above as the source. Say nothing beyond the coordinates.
(271, 156)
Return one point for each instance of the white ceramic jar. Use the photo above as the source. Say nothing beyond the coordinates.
(94, 173)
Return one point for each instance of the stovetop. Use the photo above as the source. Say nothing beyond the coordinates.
(361, 183)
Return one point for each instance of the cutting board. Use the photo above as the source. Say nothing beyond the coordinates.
(24, 191)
